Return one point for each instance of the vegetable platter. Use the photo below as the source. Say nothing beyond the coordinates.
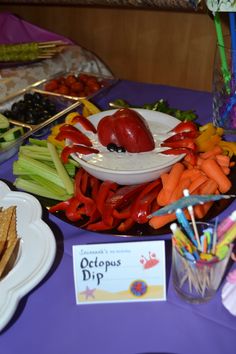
(78, 197)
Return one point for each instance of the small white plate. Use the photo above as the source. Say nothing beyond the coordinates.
(131, 168)
(36, 253)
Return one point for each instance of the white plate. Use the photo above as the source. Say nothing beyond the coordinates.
(131, 168)
(36, 253)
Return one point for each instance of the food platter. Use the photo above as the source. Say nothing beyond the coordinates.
(36, 252)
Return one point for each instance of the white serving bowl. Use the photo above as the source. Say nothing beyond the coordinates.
(131, 168)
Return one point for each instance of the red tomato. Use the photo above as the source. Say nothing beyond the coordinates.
(64, 90)
(94, 87)
(70, 79)
(51, 85)
(84, 77)
(77, 86)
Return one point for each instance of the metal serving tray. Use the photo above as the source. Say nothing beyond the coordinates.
(63, 106)
(107, 81)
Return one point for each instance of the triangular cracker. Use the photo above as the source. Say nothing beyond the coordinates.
(9, 257)
(6, 216)
(12, 231)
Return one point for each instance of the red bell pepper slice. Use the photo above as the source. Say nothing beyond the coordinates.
(125, 195)
(80, 149)
(103, 193)
(120, 199)
(185, 127)
(85, 122)
(123, 214)
(94, 185)
(126, 225)
(75, 210)
(142, 205)
(88, 202)
(74, 135)
(185, 143)
(190, 155)
(61, 206)
(99, 226)
(184, 135)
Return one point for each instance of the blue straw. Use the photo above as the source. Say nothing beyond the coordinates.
(185, 224)
(233, 39)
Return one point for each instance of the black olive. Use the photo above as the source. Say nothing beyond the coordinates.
(112, 147)
(7, 114)
(120, 149)
(14, 107)
(30, 120)
(37, 96)
(29, 103)
(21, 106)
(51, 108)
(28, 97)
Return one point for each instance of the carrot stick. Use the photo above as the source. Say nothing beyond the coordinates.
(197, 183)
(217, 150)
(208, 187)
(192, 174)
(223, 160)
(199, 161)
(178, 192)
(163, 197)
(212, 169)
(201, 210)
(226, 170)
(170, 184)
(159, 221)
(164, 178)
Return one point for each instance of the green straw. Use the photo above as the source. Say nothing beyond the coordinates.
(224, 65)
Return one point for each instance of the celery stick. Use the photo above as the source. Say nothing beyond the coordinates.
(36, 155)
(39, 168)
(34, 188)
(70, 168)
(68, 184)
(53, 188)
(34, 148)
(18, 170)
(38, 142)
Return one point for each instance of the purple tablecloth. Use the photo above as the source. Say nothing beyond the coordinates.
(48, 321)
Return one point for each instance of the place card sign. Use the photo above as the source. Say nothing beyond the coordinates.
(119, 272)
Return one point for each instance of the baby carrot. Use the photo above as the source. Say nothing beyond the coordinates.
(197, 182)
(170, 183)
(226, 170)
(217, 150)
(178, 191)
(159, 221)
(201, 210)
(212, 169)
(208, 187)
(164, 178)
(192, 174)
(223, 160)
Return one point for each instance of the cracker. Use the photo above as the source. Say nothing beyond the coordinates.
(9, 257)
(6, 216)
(9, 241)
